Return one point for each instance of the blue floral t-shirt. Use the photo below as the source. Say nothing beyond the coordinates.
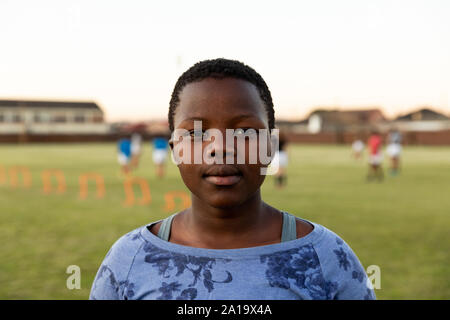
(319, 265)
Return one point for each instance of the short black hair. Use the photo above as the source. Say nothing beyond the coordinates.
(222, 68)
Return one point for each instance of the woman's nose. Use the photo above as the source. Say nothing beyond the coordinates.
(220, 149)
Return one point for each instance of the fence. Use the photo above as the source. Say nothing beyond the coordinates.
(409, 138)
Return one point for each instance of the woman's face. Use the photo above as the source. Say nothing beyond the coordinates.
(221, 104)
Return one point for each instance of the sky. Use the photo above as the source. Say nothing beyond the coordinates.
(127, 55)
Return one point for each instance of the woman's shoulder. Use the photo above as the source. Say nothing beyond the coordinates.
(154, 227)
(325, 241)
(117, 263)
(341, 265)
(303, 228)
(127, 245)
(320, 234)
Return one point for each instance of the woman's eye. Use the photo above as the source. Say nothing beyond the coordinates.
(206, 135)
(196, 133)
(249, 132)
(239, 131)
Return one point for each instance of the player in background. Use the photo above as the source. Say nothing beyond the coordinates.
(124, 154)
(281, 159)
(375, 157)
(394, 149)
(160, 147)
(357, 148)
(136, 142)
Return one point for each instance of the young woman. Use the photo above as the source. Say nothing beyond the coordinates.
(229, 244)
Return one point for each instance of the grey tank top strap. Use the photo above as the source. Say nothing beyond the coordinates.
(164, 230)
(289, 231)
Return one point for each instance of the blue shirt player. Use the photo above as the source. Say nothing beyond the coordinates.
(160, 145)
(124, 156)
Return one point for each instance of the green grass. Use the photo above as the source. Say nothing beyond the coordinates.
(401, 225)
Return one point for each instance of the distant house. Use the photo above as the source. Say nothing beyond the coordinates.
(291, 126)
(158, 127)
(424, 119)
(339, 120)
(424, 114)
(51, 117)
(149, 128)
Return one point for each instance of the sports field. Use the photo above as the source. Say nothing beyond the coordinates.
(402, 225)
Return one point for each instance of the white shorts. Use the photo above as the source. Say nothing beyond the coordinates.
(280, 157)
(376, 159)
(135, 148)
(123, 159)
(159, 156)
(358, 146)
(394, 150)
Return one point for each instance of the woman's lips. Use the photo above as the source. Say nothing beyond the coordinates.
(223, 180)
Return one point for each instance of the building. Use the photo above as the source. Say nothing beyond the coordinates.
(291, 126)
(344, 120)
(424, 114)
(424, 119)
(150, 128)
(32, 117)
